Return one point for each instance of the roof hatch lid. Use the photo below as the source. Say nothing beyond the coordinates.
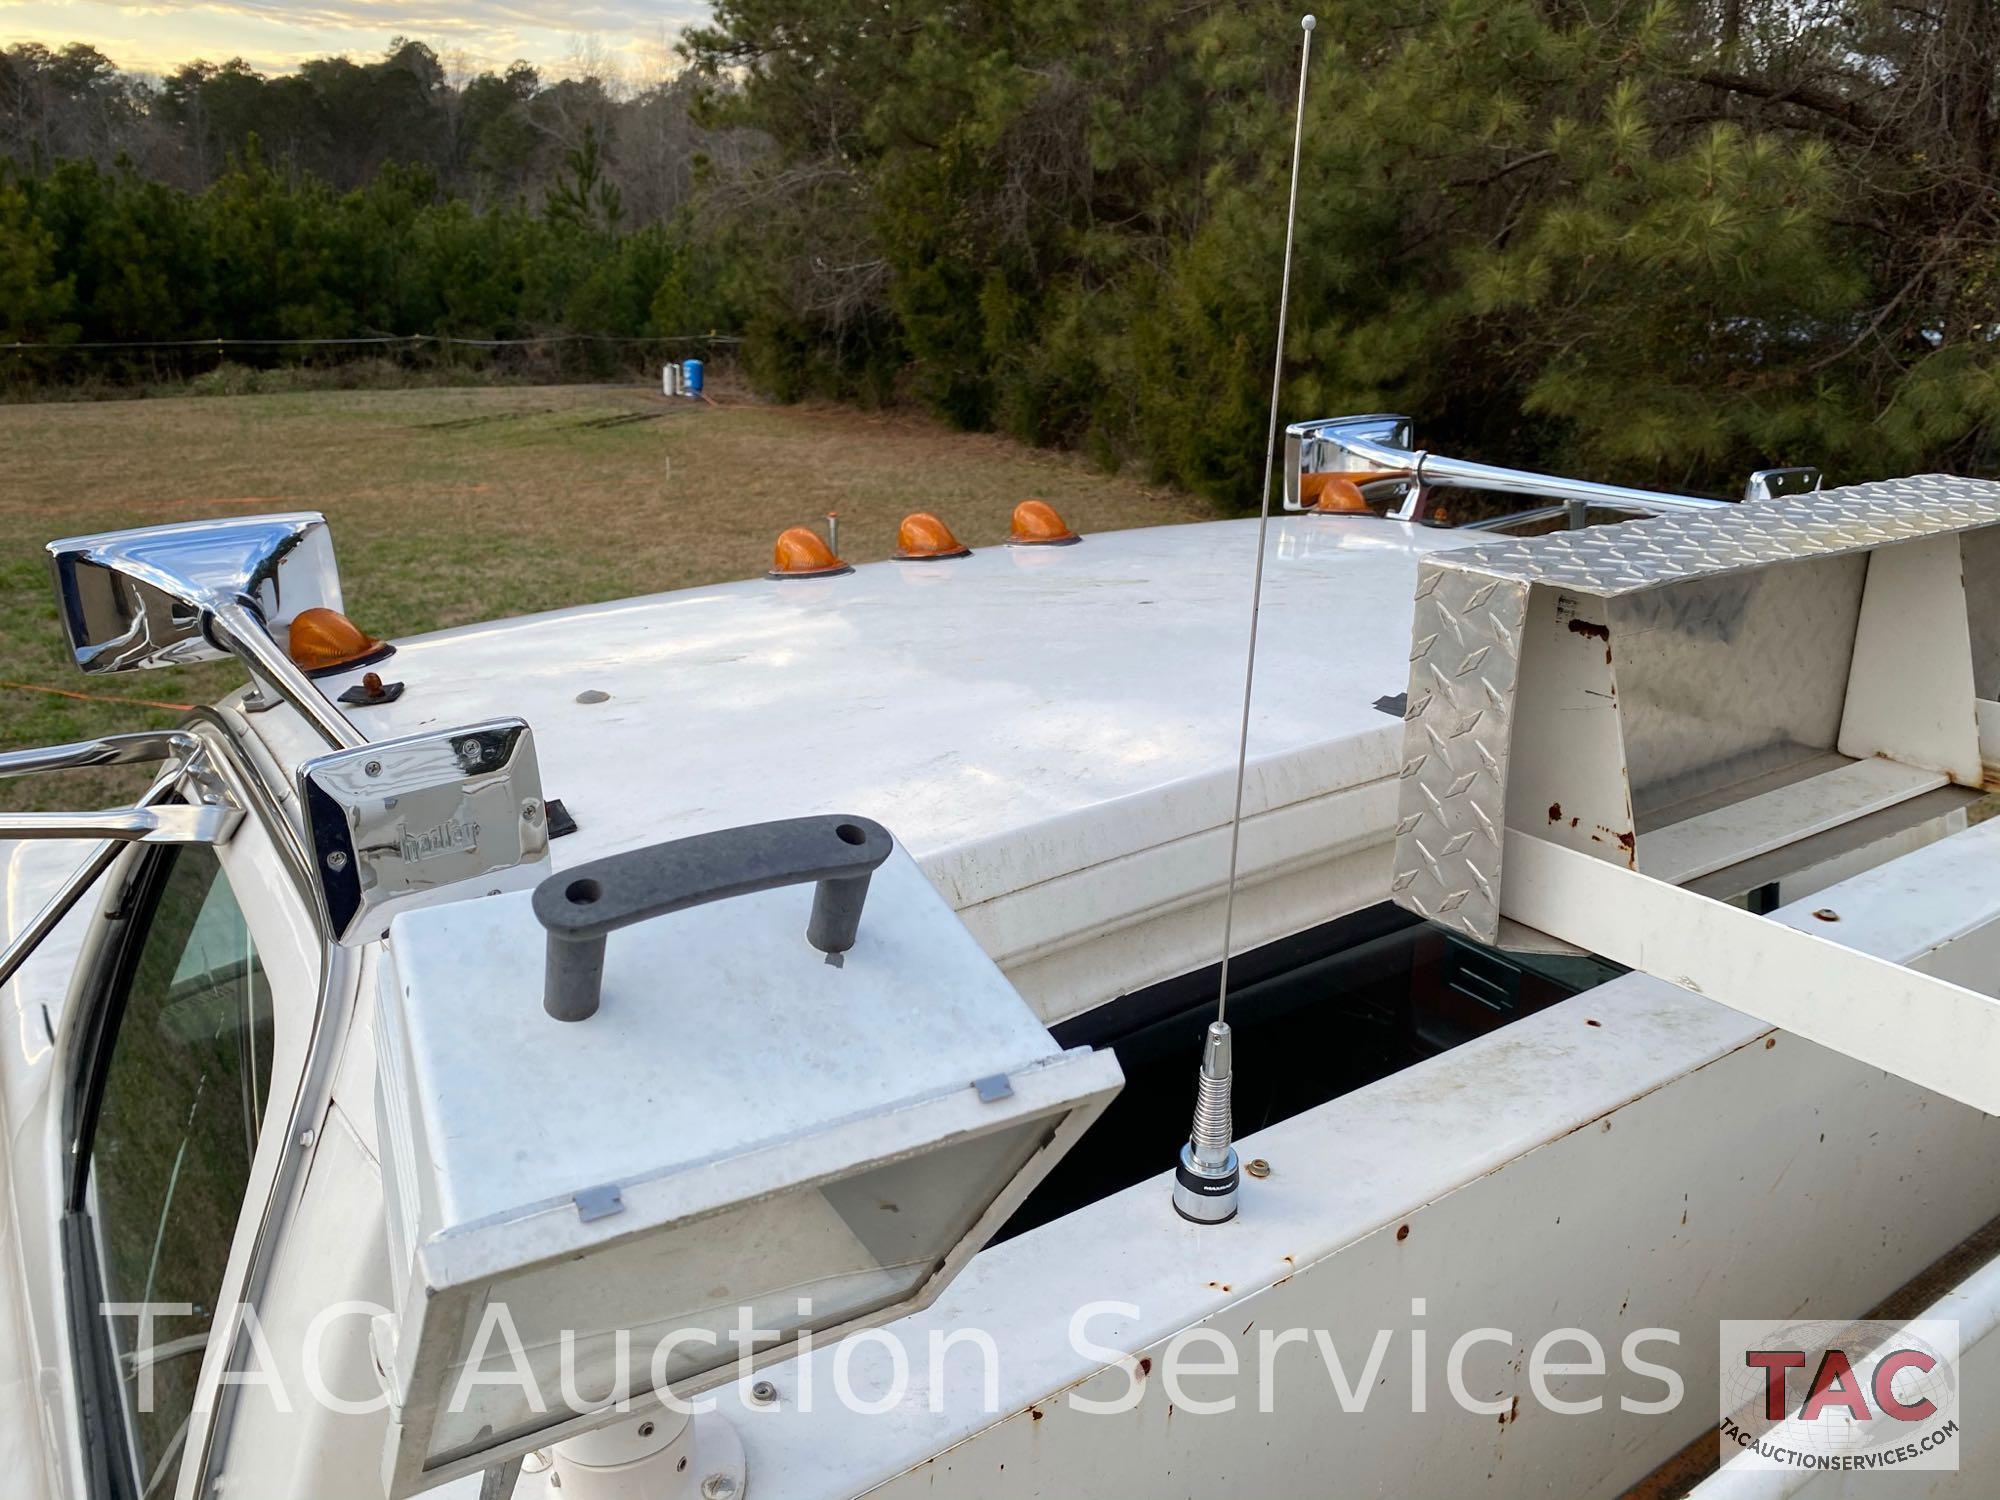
(815, 1105)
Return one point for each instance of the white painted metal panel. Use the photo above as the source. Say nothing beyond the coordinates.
(1929, 1030)
(1910, 692)
(1713, 841)
(1017, 717)
(1669, 1165)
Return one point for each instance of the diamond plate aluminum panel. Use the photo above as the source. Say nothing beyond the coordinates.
(1464, 658)
(1612, 560)
(1785, 638)
(1731, 676)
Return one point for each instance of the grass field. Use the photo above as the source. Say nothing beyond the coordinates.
(452, 506)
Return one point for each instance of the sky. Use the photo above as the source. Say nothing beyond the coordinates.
(154, 36)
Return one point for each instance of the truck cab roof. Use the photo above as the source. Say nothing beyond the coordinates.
(1014, 717)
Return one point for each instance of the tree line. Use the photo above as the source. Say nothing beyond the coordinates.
(1662, 241)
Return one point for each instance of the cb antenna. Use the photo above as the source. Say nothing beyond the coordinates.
(1205, 1182)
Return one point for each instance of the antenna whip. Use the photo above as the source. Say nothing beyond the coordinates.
(1205, 1183)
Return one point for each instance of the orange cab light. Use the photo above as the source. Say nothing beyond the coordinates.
(1036, 524)
(924, 538)
(800, 553)
(325, 640)
(1334, 493)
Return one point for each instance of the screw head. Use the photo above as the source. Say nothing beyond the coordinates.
(531, 811)
(336, 861)
(763, 1393)
(373, 768)
(535, 1463)
(718, 1487)
(1258, 1168)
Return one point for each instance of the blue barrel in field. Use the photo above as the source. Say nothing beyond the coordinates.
(691, 376)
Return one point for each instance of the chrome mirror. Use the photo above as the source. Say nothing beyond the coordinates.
(397, 824)
(136, 599)
(1349, 464)
(159, 596)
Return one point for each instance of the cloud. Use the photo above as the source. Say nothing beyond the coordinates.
(157, 35)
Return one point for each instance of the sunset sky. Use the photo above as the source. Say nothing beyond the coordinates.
(272, 35)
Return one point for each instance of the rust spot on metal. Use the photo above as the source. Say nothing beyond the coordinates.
(1145, 1366)
(1827, 914)
(1573, 822)
(1770, 1042)
(1627, 842)
(1035, 1412)
(1595, 632)
(1589, 1022)
(1402, 1233)
(1555, 812)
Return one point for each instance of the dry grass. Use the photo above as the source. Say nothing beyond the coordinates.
(452, 506)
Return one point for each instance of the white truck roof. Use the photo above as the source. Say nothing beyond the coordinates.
(1012, 717)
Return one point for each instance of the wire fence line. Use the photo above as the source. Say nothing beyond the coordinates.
(445, 340)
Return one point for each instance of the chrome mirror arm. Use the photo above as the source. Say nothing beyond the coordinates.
(243, 630)
(117, 749)
(1436, 469)
(1376, 454)
(176, 823)
(108, 750)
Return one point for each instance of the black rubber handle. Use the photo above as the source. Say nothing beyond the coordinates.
(581, 906)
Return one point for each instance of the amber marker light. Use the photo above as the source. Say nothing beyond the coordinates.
(1337, 494)
(325, 640)
(1036, 524)
(801, 553)
(924, 538)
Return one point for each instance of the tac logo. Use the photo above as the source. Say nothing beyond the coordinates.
(1840, 1397)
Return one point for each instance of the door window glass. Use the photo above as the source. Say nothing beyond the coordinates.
(181, 1107)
